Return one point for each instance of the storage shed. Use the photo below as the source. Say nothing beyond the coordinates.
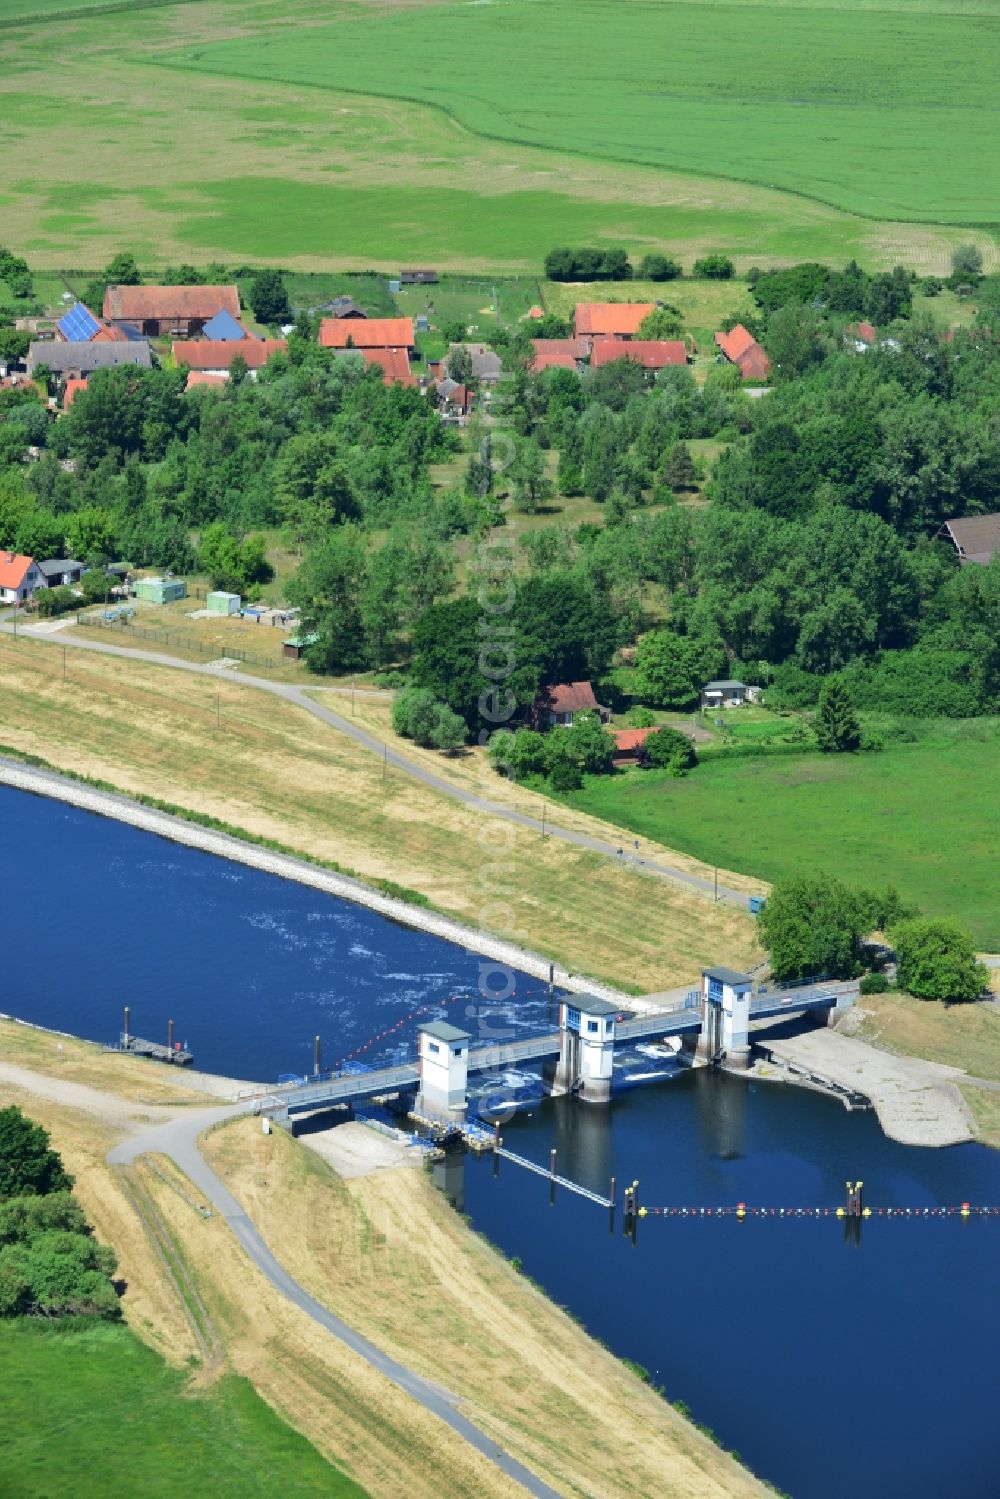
(160, 590)
(223, 603)
(294, 647)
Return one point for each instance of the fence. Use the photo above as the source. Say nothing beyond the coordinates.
(180, 640)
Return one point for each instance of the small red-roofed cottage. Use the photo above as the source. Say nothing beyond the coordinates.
(559, 704)
(739, 347)
(71, 390)
(558, 353)
(651, 353)
(394, 363)
(630, 746)
(211, 378)
(216, 358)
(610, 319)
(19, 577)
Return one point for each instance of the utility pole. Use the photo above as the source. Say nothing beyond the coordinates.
(64, 663)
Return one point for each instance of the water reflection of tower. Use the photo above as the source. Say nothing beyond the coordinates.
(721, 1113)
(449, 1175)
(582, 1138)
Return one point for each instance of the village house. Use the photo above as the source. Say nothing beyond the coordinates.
(559, 704)
(174, 310)
(19, 577)
(75, 361)
(71, 390)
(486, 366)
(651, 353)
(215, 358)
(558, 353)
(341, 307)
(61, 572)
(630, 747)
(80, 326)
(726, 693)
(205, 377)
(394, 363)
(455, 401)
(367, 333)
(861, 337)
(593, 320)
(976, 538)
(739, 347)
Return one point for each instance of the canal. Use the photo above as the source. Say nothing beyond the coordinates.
(830, 1368)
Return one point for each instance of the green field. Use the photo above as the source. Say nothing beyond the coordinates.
(88, 1409)
(859, 108)
(475, 137)
(924, 817)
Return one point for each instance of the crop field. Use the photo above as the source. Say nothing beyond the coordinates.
(812, 93)
(367, 135)
(923, 817)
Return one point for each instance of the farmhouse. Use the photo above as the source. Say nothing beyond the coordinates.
(610, 319)
(739, 347)
(651, 353)
(215, 358)
(559, 704)
(156, 310)
(976, 538)
(60, 572)
(394, 363)
(558, 353)
(74, 361)
(367, 333)
(19, 577)
(486, 366)
(454, 400)
(79, 325)
(726, 693)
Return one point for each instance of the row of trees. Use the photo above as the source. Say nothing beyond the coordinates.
(587, 263)
(819, 926)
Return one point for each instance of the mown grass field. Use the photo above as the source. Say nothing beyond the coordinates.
(90, 1409)
(924, 817)
(314, 174)
(845, 104)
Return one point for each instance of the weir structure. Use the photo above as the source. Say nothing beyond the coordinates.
(713, 1023)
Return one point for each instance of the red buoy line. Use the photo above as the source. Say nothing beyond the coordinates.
(390, 1030)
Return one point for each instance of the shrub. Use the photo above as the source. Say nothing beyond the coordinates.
(587, 264)
(657, 267)
(55, 601)
(640, 718)
(875, 983)
(936, 959)
(714, 268)
(565, 776)
(27, 1165)
(669, 749)
(418, 715)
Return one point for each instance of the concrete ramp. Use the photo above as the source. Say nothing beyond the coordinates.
(917, 1102)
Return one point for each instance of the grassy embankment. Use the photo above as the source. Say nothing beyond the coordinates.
(921, 816)
(387, 1253)
(278, 773)
(314, 176)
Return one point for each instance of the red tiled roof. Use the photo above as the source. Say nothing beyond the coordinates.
(735, 343)
(71, 391)
(553, 362)
(627, 741)
(536, 312)
(570, 697)
(372, 333)
(754, 364)
(210, 355)
(617, 319)
(132, 304)
(107, 333)
(577, 348)
(13, 567)
(205, 377)
(651, 353)
(865, 331)
(394, 364)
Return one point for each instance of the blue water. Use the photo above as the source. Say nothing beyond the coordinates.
(832, 1369)
(249, 967)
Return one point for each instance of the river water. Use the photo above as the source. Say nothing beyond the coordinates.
(832, 1369)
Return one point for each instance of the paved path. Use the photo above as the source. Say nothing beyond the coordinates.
(297, 695)
(179, 1140)
(917, 1102)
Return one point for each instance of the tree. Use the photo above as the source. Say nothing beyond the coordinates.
(27, 1166)
(836, 723)
(679, 470)
(815, 925)
(313, 486)
(714, 268)
(528, 478)
(231, 563)
(663, 322)
(669, 749)
(657, 267)
(268, 297)
(91, 534)
(936, 959)
(792, 340)
(460, 365)
(327, 588)
(14, 345)
(967, 262)
(665, 670)
(122, 271)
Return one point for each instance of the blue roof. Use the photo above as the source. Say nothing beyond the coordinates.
(79, 325)
(223, 328)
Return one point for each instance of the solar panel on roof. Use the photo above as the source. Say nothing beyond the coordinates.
(79, 325)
